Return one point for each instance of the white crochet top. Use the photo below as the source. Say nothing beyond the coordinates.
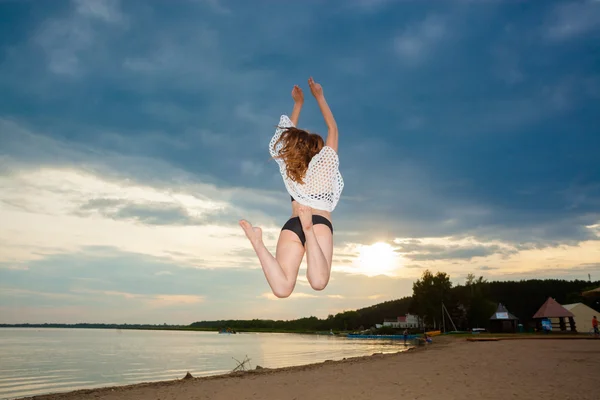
(323, 183)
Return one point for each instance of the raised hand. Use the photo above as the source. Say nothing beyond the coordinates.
(297, 94)
(315, 88)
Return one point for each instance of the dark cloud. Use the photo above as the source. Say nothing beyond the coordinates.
(150, 213)
(156, 214)
(101, 204)
(486, 268)
(417, 251)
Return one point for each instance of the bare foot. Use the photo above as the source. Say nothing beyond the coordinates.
(305, 214)
(254, 234)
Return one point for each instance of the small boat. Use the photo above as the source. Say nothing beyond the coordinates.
(227, 332)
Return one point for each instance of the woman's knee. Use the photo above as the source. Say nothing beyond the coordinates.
(319, 283)
(283, 291)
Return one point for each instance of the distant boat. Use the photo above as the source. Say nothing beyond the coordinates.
(227, 332)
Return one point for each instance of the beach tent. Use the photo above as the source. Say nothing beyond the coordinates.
(582, 315)
(551, 309)
(502, 321)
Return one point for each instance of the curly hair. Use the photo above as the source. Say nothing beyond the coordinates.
(299, 147)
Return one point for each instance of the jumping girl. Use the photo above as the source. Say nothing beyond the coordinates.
(310, 171)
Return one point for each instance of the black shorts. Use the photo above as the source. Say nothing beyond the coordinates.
(294, 225)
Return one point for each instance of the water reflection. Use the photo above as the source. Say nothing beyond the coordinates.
(37, 361)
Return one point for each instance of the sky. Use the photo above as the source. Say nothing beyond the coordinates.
(134, 135)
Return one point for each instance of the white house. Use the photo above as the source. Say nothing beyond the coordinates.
(393, 322)
(407, 321)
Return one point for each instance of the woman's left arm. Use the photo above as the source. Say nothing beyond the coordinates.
(298, 97)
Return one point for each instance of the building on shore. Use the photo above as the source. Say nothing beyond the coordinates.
(551, 310)
(408, 321)
(502, 321)
(582, 315)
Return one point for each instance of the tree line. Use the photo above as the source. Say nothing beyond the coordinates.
(470, 305)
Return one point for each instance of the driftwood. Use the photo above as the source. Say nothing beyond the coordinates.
(241, 364)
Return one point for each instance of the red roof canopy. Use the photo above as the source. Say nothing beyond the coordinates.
(551, 309)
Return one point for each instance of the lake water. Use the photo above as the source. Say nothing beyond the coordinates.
(38, 361)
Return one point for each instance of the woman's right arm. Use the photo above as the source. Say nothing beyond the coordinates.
(332, 129)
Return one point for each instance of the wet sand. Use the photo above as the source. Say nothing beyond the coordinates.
(448, 369)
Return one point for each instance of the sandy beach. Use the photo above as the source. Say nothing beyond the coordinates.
(448, 369)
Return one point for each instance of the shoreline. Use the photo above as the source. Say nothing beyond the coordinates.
(445, 359)
(456, 367)
(257, 371)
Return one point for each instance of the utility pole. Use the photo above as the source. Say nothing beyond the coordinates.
(449, 316)
(443, 320)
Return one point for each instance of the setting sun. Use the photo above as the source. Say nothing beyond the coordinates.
(377, 259)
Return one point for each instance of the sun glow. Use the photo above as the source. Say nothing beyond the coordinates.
(377, 259)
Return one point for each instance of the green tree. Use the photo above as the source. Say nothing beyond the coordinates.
(479, 308)
(428, 294)
(347, 320)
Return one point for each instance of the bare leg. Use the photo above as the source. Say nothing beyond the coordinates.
(281, 271)
(319, 250)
